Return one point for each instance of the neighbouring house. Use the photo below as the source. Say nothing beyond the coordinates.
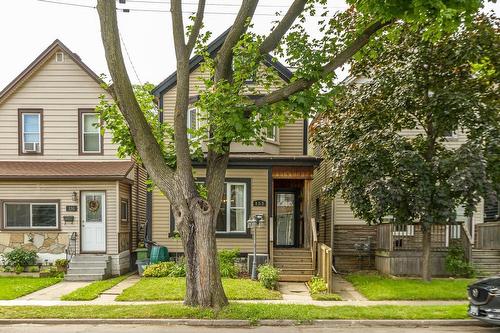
(63, 191)
(273, 179)
(396, 249)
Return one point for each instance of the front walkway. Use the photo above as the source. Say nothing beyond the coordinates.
(54, 292)
(346, 290)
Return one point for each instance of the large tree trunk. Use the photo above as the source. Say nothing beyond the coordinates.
(426, 254)
(203, 282)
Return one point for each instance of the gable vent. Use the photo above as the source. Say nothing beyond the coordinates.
(59, 57)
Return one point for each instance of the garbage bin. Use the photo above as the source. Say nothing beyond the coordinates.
(158, 254)
(141, 265)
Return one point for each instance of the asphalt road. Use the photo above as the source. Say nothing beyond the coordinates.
(22, 328)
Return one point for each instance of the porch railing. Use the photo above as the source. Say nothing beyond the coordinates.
(488, 236)
(325, 270)
(408, 237)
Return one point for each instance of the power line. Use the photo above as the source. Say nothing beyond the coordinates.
(218, 4)
(127, 10)
(129, 58)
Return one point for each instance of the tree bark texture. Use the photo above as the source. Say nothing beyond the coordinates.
(426, 253)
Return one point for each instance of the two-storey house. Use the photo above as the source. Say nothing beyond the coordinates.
(273, 179)
(63, 191)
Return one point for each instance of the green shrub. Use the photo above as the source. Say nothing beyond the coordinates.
(33, 269)
(227, 263)
(456, 264)
(20, 257)
(62, 263)
(269, 276)
(165, 269)
(317, 285)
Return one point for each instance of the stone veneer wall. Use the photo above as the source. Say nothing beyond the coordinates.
(40, 241)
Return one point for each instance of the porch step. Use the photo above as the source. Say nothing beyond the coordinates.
(89, 268)
(295, 278)
(295, 264)
(486, 262)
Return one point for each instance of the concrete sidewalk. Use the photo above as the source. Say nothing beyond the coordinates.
(104, 301)
(54, 292)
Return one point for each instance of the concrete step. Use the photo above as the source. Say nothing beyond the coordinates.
(91, 258)
(93, 264)
(87, 270)
(85, 277)
(295, 278)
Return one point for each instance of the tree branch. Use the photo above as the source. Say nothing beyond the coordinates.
(183, 153)
(123, 93)
(273, 39)
(223, 68)
(198, 23)
(303, 84)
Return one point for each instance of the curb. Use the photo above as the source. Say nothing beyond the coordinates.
(248, 323)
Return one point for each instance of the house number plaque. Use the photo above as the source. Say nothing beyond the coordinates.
(259, 203)
(71, 208)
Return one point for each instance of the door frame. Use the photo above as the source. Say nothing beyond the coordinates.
(296, 209)
(105, 213)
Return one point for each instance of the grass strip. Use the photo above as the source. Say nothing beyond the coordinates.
(252, 312)
(17, 286)
(174, 289)
(326, 297)
(376, 288)
(93, 290)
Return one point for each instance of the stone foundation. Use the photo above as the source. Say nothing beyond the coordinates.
(40, 241)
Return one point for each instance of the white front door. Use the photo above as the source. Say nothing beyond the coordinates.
(93, 220)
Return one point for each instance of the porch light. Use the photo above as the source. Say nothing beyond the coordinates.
(74, 197)
(256, 222)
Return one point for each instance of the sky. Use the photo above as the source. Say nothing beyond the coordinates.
(27, 27)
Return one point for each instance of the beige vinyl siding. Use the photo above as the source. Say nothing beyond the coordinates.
(138, 205)
(60, 89)
(63, 190)
(259, 191)
(290, 137)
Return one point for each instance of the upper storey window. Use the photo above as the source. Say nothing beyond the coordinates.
(272, 133)
(90, 133)
(30, 130)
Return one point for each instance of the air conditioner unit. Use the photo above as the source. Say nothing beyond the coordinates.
(31, 147)
(261, 260)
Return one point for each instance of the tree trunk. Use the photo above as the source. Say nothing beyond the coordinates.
(426, 254)
(203, 282)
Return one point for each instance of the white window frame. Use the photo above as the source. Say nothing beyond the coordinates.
(228, 208)
(275, 135)
(31, 204)
(453, 136)
(38, 115)
(197, 120)
(83, 115)
(60, 57)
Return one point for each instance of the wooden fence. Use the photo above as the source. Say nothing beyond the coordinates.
(488, 236)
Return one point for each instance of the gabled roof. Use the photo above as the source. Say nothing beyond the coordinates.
(212, 49)
(39, 61)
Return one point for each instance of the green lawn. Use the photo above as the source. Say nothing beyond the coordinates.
(173, 289)
(17, 286)
(326, 297)
(253, 312)
(93, 290)
(376, 287)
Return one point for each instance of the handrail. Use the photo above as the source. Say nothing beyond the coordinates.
(467, 242)
(314, 242)
(271, 241)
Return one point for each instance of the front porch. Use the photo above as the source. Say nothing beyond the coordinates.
(399, 247)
